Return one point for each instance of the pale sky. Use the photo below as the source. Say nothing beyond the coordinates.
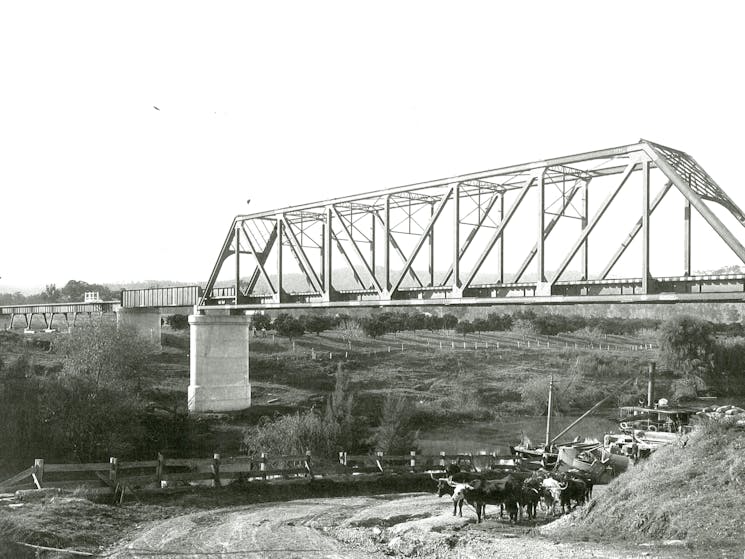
(293, 102)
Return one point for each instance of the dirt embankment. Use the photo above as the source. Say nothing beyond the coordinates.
(414, 525)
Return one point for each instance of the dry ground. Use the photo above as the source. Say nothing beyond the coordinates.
(408, 525)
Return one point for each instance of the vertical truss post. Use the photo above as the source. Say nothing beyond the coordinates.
(585, 256)
(645, 227)
(541, 227)
(322, 255)
(431, 249)
(327, 259)
(280, 279)
(373, 217)
(456, 242)
(500, 246)
(687, 239)
(237, 262)
(634, 232)
(387, 246)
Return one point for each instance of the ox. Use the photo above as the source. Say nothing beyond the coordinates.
(504, 491)
(530, 495)
(573, 489)
(446, 487)
(551, 493)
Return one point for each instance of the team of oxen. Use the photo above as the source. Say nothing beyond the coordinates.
(516, 492)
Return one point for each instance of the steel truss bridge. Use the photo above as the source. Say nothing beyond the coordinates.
(474, 239)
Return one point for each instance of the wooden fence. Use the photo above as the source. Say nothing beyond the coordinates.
(117, 476)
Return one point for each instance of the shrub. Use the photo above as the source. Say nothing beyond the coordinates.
(178, 321)
(101, 351)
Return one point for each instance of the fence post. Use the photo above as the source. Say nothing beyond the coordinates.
(113, 470)
(216, 470)
(159, 469)
(307, 464)
(262, 465)
(413, 460)
(38, 473)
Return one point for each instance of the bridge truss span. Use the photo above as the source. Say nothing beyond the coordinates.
(588, 227)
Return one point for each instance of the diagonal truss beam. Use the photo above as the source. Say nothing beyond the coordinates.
(498, 233)
(634, 231)
(422, 238)
(224, 253)
(472, 235)
(546, 233)
(593, 222)
(297, 249)
(696, 201)
(343, 252)
(260, 260)
(357, 250)
(397, 248)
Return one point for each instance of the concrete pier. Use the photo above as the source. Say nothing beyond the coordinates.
(219, 363)
(145, 321)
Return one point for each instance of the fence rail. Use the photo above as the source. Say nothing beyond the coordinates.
(116, 475)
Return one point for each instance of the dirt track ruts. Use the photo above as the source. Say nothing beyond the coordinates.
(354, 528)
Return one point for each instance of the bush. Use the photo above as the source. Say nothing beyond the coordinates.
(178, 321)
(105, 353)
(323, 434)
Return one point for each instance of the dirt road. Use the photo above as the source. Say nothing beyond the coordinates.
(354, 528)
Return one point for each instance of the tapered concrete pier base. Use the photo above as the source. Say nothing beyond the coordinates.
(219, 363)
(145, 321)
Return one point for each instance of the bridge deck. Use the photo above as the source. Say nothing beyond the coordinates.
(59, 308)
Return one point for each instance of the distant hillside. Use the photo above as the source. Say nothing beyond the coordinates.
(693, 491)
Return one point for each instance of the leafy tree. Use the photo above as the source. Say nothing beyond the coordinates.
(480, 325)
(449, 321)
(373, 326)
(104, 353)
(51, 294)
(289, 327)
(464, 327)
(261, 321)
(499, 322)
(316, 323)
(686, 342)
